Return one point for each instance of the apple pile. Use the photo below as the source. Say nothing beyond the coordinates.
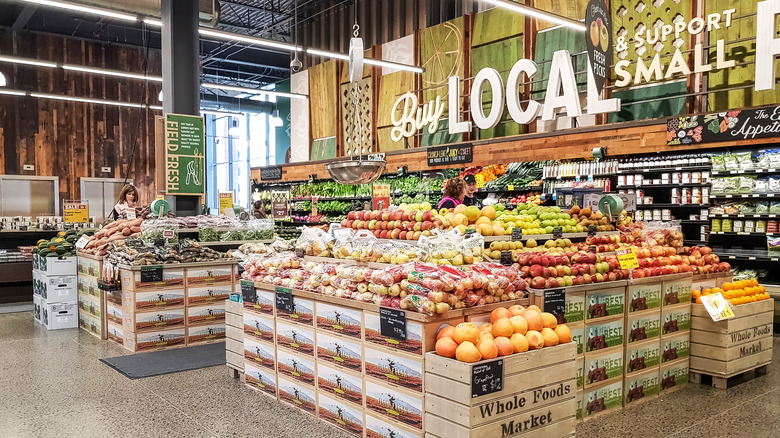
(510, 331)
(399, 224)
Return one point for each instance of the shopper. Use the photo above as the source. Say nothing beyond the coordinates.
(128, 198)
(258, 210)
(471, 189)
(454, 192)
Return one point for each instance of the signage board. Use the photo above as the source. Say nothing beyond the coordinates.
(598, 23)
(724, 126)
(450, 154)
(75, 212)
(185, 155)
(271, 173)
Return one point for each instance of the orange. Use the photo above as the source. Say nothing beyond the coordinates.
(446, 347)
(698, 300)
(519, 343)
(503, 327)
(505, 347)
(707, 291)
(564, 334)
(486, 327)
(549, 320)
(535, 340)
(500, 312)
(550, 338)
(534, 307)
(465, 331)
(467, 352)
(516, 310)
(446, 332)
(487, 348)
(519, 324)
(534, 320)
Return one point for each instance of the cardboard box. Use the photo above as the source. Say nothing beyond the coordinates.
(675, 318)
(262, 328)
(58, 289)
(212, 275)
(56, 265)
(154, 321)
(575, 307)
(605, 334)
(204, 333)
(116, 333)
(578, 336)
(208, 295)
(88, 285)
(37, 303)
(36, 286)
(603, 366)
(676, 346)
(155, 340)
(580, 363)
(91, 325)
(172, 278)
(674, 374)
(295, 337)
(295, 367)
(340, 415)
(260, 378)
(146, 301)
(211, 314)
(373, 334)
(605, 303)
(580, 397)
(641, 297)
(642, 385)
(297, 394)
(404, 407)
(115, 313)
(87, 266)
(91, 305)
(641, 356)
(339, 383)
(677, 291)
(376, 427)
(389, 366)
(260, 353)
(303, 312)
(337, 319)
(265, 302)
(603, 398)
(641, 326)
(340, 351)
(56, 316)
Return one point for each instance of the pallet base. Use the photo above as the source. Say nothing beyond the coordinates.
(724, 382)
(234, 372)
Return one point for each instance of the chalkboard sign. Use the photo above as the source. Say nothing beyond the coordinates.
(555, 302)
(557, 233)
(151, 274)
(272, 173)
(724, 126)
(487, 378)
(592, 230)
(248, 292)
(284, 299)
(392, 323)
(593, 249)
(517, 234)
(506, 258)
(455, 154)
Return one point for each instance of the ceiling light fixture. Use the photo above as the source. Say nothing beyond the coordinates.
(87, 100)
(538, 13)
(87, 9)
(228, 36)
(222, 113)
(253, 91)
(153, 22)
(108, 72)
(25, 61)
(3, 82)
(13, 92)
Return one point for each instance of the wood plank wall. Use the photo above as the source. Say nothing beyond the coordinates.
(71, 140)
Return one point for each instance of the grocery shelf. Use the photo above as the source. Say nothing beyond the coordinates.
(234, 242)
(742, 233)
(673, 206)
(745, 216)
(515, 190)
(747, 196)
(662, 186)
(664, 169)
(747, 254)
(595, 175)
(687, 242)
(549, 236)
(338, 198)
(694, 222)
(744, 172)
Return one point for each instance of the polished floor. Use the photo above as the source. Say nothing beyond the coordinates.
(52, 385)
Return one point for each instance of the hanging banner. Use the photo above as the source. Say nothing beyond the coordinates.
(225, 201)
(280, 204)
(381, 196)
(75, 211)
(599, 40)
(724, 126)
(184, 155)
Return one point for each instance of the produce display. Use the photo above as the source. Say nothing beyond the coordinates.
(329, 189)
(63, 245)
(117, 230)
(231, 231)
(136, 252)
(736, 293)
(510, 331)
(517, 175)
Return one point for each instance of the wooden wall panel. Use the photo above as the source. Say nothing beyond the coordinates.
(323, 99)
(72, 140)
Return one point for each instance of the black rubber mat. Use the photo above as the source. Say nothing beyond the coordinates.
(156, 363)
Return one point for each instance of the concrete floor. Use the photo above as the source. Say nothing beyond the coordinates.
(52, 384)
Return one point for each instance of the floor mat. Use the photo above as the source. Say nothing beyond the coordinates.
(156, 363)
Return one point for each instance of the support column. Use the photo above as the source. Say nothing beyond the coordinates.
(181, 57)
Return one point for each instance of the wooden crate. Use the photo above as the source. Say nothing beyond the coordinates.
(260, 378)
(602, 398)
(536, 384)
(338, 414)
(340, 384)
(420, 336)
(265, 302)
(675, 346)
(644, 325)
(709, 281)
(345, 321)
(297, 394)
(604, 303)
(644, 294)
(641, 356)
(726, 348)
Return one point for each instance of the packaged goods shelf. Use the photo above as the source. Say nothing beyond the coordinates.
(742, 233)
(664, 169)
(673, 206)
(743, 172)
(746, 196)
(745, 216)
(662, 186)
(748, 254)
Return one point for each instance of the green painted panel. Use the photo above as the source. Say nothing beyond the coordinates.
(650, 110)
(496, 24)
(500, 56)
(550, 41)
(323, 148)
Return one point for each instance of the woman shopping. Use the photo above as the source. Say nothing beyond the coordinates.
(454, 192)
(128, 198)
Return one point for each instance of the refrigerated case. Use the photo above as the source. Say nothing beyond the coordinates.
(29, 195)
(102, 194)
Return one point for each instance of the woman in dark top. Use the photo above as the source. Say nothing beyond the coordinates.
(258, 210)
(454, 192)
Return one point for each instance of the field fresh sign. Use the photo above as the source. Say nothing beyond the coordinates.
(562, 98)
(184, 155)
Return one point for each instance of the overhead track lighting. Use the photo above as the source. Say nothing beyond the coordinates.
(108, 72)
(538, 13)
(26, 61)
(86, 9)
(3, 82)
(253, 91)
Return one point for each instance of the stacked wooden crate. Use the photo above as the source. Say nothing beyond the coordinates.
(92, 300)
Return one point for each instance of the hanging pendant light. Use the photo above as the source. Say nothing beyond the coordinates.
(3, 82)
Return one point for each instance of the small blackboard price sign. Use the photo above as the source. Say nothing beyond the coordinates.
(517, 234)
(271, 173)
(284, 299)
(557, 233)
(592, 230)
(555, 302)
(506, 258)
(487, 378)
(248, 294)
(392, 323)
(151, 274)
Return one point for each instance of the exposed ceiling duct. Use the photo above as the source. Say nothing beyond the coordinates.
(209, 9)
(211, 102)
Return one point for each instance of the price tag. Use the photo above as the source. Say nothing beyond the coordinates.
(506, 258)
(510, 188)
(555, 302)
(592, 230)
(487, 378)
(248, 293)
(717, 306)
(627, 258)
(392, 323)
(284, 299)
(557, 233)
(168, 234)
(469, 231)
(517, 234)
(130, 213)
(151, 274)
(82, 242)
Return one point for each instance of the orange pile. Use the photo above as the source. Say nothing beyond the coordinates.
(512, 330)
(738, 292)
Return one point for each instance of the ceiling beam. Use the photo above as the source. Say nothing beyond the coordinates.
(24, 17)
(257, 9)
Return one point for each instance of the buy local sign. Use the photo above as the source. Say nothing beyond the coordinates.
(408, 116)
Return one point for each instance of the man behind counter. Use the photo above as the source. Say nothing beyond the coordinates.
(471, 189)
